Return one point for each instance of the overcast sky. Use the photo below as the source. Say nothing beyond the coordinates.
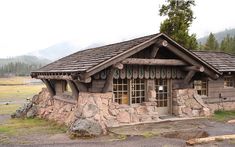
(28, 25)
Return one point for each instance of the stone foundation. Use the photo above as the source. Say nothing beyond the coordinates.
(97, 108)
(93, 113)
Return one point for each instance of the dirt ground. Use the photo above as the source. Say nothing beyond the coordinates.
(165, 134)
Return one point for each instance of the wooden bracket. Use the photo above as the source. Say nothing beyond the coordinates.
(80, 86)
(189, 76)
(154, 51)
(49, 87)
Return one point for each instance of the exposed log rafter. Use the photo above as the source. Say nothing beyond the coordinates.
(195, 68)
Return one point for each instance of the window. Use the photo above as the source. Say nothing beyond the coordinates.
(200, 86)
(228, 81)
(137, 91)
(162, 92)
(136, 88)
(120, 91)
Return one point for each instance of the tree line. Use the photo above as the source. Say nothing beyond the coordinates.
(226, 45)
(18, 69)
(179, 17)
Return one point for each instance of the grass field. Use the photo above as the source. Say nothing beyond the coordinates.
(15, 93)
(19, 91)
(14, 80)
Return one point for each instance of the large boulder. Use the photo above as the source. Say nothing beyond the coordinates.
(22, 112)
(32, 112)
(84, 127)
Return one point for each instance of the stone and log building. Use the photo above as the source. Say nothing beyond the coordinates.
(136, 81)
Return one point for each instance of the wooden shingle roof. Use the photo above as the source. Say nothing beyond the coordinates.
(86, 59)
(223, 62)
(86, 63)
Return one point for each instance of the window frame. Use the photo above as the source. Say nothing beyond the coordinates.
(129, 91)
(231, 81)
(202, 89)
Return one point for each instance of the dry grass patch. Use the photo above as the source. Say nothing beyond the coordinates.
(14, 80)
(19, 91)
(8, 109)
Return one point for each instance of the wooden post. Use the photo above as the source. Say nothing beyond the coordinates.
(49, 87)
(189, 76)
(108, 81)
(73, 88)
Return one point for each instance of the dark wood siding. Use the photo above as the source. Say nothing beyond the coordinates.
(216, 87)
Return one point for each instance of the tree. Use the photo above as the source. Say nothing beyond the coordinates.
(179, 18)
(211, 43)
(228, 44)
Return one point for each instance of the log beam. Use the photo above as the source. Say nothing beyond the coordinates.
(167, 62)
(187, 58)
(49, 87)
(63, 77)
(189, 76)
(195, 68)
(108, 81)
(74, 89)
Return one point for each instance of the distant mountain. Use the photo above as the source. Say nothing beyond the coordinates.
(55, 51)
(24, 59)
(219, 36)
(20, 65)
(60, 50)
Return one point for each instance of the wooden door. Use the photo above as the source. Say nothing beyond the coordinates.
(163, 96)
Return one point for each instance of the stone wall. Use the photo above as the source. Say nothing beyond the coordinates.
(93, 108)
(187, 103)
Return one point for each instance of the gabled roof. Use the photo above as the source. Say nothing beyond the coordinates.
(223, 62)
(88, 62)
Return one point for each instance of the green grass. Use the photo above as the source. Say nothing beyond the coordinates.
(15, 127)
(221, 115)
(8, 109)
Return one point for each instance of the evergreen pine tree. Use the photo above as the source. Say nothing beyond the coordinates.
(179, 18)
(211, 43)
